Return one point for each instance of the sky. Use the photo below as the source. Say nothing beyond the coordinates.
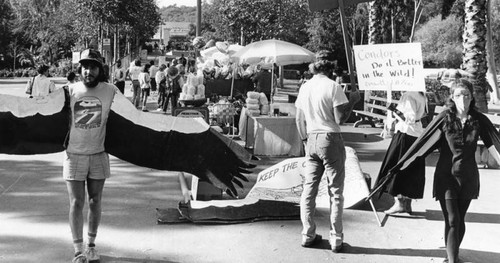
(162, 3)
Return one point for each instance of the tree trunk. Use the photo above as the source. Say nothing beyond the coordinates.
(374, 24)
(416, 18)
(474, 50)
(491, 75)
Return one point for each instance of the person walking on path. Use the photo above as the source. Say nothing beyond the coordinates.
(455, 132)
(134, 71)
(40, 86)
(71, 77)
(176, 81)
(145, 83)
(161, 80)
(321, 107)
(86, 164)
(412, 107)
(119, 77)
(152, 74)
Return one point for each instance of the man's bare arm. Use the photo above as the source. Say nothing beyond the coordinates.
(342, 112)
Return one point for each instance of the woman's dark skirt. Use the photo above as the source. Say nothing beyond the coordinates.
(409, 182)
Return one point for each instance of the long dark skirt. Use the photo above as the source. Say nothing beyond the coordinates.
(409, 182)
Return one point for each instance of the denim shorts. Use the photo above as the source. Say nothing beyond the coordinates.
(79, 167)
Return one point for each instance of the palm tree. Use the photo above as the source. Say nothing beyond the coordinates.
(375, 23)
(474, 49)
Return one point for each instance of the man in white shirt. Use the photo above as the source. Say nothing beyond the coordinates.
(152, 74)
(134, 71)
(321, 107)
(41, 86)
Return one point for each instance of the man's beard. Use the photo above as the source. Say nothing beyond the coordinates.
(90, 84)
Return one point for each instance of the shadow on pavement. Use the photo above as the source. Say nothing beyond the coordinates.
(437, 215)
(478, 256)
(108, 259)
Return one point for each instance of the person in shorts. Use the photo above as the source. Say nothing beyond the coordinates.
(86, 164)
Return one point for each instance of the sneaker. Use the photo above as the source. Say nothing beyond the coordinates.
(336, 243)
(92, 255)
(336, 248)
(80, 258)
(159, 109)
(310, 243)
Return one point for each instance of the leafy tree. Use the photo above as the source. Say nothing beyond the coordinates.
(495, 28)
(50, 29)
(6, 20)
(325, 32)
(441, 42)
(174, 13)
(256, 20)
(446, 8)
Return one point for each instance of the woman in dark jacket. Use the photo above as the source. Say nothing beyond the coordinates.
(455, 132)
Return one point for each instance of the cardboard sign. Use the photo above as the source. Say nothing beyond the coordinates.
(390, 67)
(283, 182)
(106, 44)
(76, 57)
(191, 112)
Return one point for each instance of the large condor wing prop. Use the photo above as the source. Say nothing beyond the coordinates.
(156, 141)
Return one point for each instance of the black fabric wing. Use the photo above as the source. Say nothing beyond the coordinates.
(37, 134)
(204, 154)
(423, 146)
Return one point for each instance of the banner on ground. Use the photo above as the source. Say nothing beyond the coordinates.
(283, 182)
(396, 67)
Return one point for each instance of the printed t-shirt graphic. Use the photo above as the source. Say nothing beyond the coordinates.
(88, 113)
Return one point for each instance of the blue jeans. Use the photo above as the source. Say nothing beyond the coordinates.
(325, 155)
(136, 89)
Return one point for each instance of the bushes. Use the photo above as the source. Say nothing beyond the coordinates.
(55, 71)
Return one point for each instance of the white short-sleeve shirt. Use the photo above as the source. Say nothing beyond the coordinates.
(317, 98)
(413, 106)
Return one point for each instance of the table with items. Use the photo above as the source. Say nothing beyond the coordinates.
(274, 135)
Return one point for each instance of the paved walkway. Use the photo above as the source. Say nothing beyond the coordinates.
(34, 227)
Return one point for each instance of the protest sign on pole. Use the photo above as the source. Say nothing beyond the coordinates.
(391, 67)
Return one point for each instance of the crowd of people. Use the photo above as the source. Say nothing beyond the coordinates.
(322, 107)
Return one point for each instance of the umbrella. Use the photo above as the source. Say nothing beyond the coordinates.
(209, 52)
(273, 51)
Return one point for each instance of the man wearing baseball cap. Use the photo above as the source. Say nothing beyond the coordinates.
(86, 164)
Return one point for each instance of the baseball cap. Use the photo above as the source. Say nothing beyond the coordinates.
(91, 55)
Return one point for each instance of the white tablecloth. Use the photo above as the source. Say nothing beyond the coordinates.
(272, 136)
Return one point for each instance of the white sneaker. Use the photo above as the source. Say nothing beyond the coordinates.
(92, 255)
(159, 109)
(80, 259)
